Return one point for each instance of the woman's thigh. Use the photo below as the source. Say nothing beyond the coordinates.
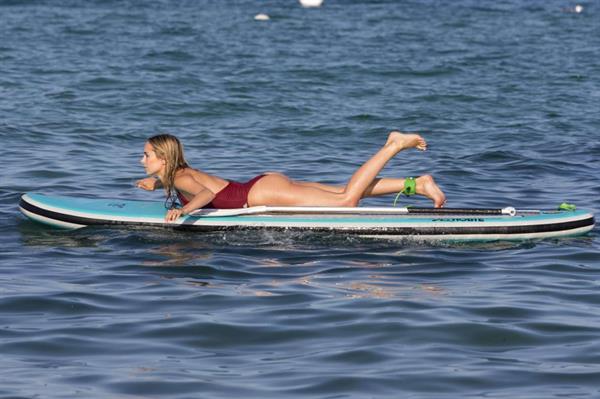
(279, 190)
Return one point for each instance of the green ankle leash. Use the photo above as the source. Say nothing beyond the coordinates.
(410, 188)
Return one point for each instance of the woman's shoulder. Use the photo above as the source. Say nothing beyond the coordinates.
(198, 175)
(188, 178)
(193, 181)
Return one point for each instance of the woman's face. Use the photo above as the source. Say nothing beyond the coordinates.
(152, 164)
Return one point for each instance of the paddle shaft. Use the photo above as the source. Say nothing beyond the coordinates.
(462, 211)
(343, 210)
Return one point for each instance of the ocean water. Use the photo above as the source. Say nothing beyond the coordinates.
(507, 94)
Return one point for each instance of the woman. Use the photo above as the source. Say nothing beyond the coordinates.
(164, 161)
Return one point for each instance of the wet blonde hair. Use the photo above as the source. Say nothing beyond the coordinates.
(169, 149)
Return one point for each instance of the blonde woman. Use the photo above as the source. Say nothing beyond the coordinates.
(164, 161)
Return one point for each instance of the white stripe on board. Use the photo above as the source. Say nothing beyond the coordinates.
(51, 222)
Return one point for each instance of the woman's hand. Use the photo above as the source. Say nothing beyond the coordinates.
(174, 214)
(148, 184)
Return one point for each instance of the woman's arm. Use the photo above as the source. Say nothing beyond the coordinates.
(149, 184)
(202, 196)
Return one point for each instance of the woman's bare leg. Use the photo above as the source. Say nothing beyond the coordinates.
(425, 186)
(379, 186)
(279, 190)
(321, 186)
(366, 174)
(275, 189)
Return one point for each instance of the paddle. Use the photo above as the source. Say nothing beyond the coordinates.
(254, 210)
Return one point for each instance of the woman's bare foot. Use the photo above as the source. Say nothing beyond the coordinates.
(402, 141)
(426, 186)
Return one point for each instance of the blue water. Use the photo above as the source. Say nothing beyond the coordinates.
(505, 92)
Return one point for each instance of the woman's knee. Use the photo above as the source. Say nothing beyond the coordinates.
(349, 201)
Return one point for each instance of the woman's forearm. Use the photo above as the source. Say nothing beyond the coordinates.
(201, 199)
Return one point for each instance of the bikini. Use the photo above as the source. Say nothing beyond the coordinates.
(234, 195)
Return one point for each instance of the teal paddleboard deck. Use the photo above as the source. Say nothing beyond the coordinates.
(418, 223)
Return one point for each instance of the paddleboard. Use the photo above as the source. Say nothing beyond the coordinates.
(388, 223)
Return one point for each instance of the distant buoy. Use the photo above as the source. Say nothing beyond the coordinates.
(311, 3)
(261, 17)
(578, 9)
